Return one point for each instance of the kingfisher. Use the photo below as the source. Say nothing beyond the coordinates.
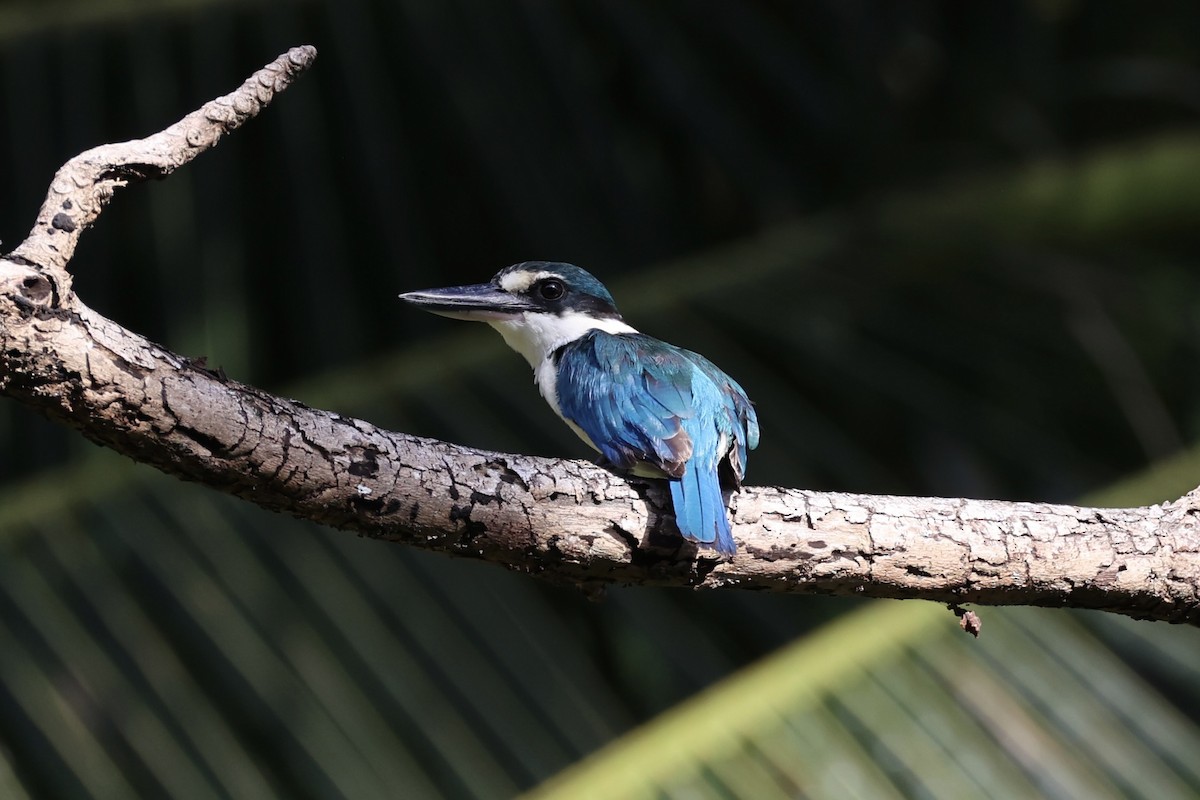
(649, 408)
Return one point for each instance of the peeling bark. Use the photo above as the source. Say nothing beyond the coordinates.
(568, 521)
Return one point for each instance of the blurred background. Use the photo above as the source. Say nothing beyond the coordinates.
(948, 248)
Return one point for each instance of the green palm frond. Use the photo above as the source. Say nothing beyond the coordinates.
(893, 701)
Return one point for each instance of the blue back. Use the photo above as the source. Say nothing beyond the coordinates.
(643, 401)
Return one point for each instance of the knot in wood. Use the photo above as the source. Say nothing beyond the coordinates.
(25, 286)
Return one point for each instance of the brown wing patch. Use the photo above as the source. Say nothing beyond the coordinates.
(680, 445)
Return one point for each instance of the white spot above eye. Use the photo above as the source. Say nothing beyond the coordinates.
(362, 490)
(517, 282)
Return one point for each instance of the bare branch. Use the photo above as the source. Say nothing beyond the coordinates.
(568, 521)
(84, 185)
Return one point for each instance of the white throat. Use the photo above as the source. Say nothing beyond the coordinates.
(537, 335)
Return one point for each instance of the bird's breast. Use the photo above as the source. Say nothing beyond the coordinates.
(545, 375)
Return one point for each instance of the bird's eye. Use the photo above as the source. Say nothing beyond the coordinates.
(551, 289)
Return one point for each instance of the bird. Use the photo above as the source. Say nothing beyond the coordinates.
(649, 408)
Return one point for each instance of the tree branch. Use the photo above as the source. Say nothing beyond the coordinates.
(568, 521)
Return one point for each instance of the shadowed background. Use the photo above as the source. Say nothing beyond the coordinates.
(947, 250)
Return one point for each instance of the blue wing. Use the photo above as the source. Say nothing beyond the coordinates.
(646, 403)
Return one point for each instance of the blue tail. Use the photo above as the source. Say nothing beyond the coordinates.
(700, 511)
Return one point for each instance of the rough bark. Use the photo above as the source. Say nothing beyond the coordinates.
(568, 521)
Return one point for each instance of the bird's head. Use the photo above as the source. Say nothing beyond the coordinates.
(537, 306)
(531, 287)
